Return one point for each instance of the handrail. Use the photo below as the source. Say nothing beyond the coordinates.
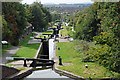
(31, 59)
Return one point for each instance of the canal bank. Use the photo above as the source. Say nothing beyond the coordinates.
(47, 73)
(39, 72)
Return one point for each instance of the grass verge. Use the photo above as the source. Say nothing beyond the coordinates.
(48, 32)
(5, 47)
(27, 50)
(64, 31)
(72, 62)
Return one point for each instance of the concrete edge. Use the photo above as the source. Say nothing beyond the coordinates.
(68, 74)
(76, 77)
(37, 53)
(27, 72)
(22, 74)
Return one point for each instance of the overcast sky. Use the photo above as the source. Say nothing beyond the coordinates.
(57, 1)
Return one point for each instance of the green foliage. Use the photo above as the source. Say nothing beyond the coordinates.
(47, 32)
(70, 32)
(86, 25)
(64, 31)
(27, 50)
(14, 21)
(105, 38)
(16, 17)
(41, 17)
(100, 23)
(56, 17)
(28, 12)
(100, 17)
(72, 60)
(101, 53)
(6, 33)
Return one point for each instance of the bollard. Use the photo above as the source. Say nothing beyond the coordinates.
(25, 65)
(60, 61)
(86, 66)
(58, 48)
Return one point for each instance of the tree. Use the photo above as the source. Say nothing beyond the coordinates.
(15, 17)
(100, 23)
(41, 17)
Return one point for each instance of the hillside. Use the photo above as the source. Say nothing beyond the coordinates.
(70, 8)
(100, 23)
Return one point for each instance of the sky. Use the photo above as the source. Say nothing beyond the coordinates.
(57, 1)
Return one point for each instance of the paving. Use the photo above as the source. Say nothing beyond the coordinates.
(9, 53)
(63, 40)
(14, 49)
(33, 40)
(47, 73)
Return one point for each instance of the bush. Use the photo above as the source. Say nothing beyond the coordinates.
(15, 42)
(104, 38)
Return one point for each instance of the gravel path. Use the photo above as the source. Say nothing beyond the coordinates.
(34, 41)
(9, 53)
(14, 49)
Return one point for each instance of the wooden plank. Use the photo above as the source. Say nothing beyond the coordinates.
(31, 59)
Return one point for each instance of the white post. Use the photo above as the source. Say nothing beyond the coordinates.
(51, 49)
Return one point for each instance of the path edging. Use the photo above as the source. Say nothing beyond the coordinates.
(38, 51)
(68, 74)
(25, 73)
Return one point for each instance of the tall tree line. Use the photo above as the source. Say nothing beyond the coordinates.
(15, 17)
(100, 23)
(41, 17)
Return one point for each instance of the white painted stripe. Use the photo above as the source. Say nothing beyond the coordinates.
(51, 49)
